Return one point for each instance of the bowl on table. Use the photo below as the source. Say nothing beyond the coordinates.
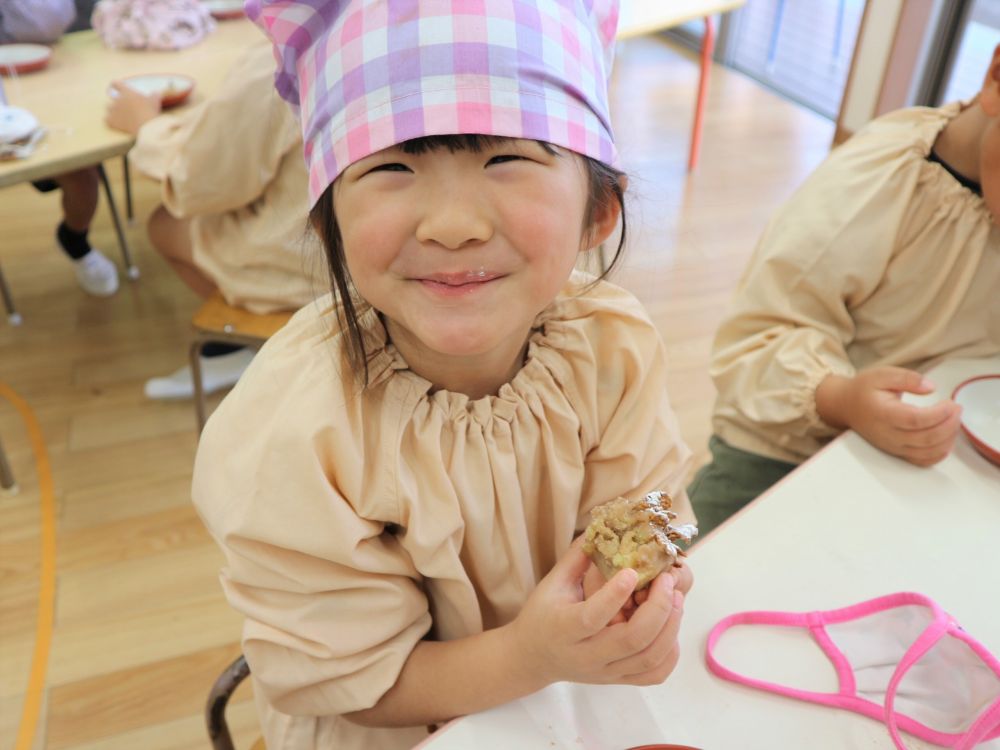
(980, 401)
(173, 89)
(224, 10)
(17, 59)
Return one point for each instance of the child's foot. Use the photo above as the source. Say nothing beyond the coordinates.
(96, 274)
(216, 373)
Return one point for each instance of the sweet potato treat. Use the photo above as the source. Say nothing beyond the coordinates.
(636, 534)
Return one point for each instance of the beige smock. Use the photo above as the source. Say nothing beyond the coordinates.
(356, 524)
(233, 165)
(881, 258)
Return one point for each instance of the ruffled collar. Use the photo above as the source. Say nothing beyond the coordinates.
(543, 364)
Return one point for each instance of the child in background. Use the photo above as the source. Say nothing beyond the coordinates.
(397, 479)
(885, 262)
(43, 22)
(235, 203)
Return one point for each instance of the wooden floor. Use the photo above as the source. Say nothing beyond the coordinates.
(141, 626)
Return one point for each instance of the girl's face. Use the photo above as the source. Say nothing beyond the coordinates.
(461, 250)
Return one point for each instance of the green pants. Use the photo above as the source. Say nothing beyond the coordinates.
(729, 481)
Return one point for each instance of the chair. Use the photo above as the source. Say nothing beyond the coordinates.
(218, 322)
(218, 699)
(13, 316)
(7, 483)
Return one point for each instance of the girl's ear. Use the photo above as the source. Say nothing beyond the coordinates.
(605, 219)
(989, 98)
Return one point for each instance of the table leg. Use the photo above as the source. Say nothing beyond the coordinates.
(133, 271)
(127, 179)
(707, 48)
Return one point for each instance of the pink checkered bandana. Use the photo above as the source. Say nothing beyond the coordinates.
(368, 74)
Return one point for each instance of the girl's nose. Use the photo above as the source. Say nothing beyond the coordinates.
(454, 220)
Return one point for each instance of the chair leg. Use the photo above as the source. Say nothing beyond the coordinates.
(7, 481)
(133, 271)
(13, 316)
(199, 386)
(218, 697)
(127, 179)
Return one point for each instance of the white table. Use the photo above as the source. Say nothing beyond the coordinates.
(851, 524)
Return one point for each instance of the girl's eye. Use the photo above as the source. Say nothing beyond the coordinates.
(390, 167)
(503, 158)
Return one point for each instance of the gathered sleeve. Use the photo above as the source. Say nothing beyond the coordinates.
(333, 603)
(221, 155)
(791, 324)
(632, 439)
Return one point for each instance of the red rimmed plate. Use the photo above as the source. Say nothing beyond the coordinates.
(980, 402)
(23, 58)
(225, 10)
(172, 88)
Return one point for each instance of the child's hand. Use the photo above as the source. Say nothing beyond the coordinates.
(560, 636)
(128, 110)
(593, 579)
(870, 404)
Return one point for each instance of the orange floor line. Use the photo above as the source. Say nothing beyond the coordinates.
(47, 583)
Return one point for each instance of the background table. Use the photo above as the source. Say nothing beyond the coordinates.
(639, 17)
(851, 524)
(69, 97)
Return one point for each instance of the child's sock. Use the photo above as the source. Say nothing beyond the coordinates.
(74, 244)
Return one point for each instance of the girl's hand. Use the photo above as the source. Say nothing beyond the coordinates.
(870, 404)
(560, 636)
(128, 110)
(593, 580)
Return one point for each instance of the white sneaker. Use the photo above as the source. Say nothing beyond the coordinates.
(96, 274)
(216, 373)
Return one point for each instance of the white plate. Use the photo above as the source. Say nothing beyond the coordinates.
(980, 402)
(172, 88)
(23, 58)
(16, 124)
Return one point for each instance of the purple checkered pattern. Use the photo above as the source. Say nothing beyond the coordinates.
(368, 74)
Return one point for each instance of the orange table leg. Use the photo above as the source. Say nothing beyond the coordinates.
(707, 48)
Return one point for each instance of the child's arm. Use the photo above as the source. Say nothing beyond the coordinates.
(557, 636)
(870, 404)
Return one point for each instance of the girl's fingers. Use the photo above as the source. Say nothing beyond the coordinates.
(595, 613)
(653, 656)
(934, 436)
(643, 626)
(908, 417)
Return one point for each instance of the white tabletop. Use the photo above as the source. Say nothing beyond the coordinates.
(851, 524)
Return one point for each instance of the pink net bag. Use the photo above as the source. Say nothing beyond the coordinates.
(151, 24)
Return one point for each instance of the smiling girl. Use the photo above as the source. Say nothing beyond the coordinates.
(398, 479)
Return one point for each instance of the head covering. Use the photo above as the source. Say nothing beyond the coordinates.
(368, 74)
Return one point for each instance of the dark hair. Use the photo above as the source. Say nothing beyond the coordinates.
(604, 184)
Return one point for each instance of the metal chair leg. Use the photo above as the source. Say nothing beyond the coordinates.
(13, 316)
(218, 697)
(199, 385)
(133, 271)
(7, 481)
(127, 179)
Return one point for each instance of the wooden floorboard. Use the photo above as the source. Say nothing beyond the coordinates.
(141, 625)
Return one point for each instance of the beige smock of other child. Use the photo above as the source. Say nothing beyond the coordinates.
(355, 524)
(233, 165)
(881, 258)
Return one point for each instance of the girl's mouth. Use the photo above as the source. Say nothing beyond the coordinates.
(457, 284)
